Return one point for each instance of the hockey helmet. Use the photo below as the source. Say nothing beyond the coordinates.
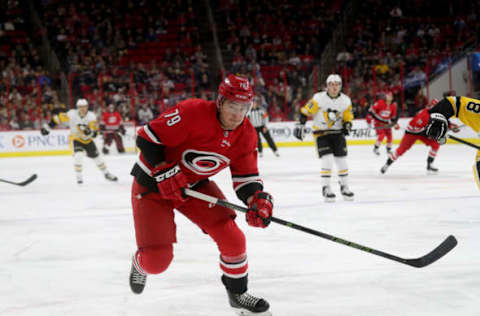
(236, 88)
(81, 102)
(334, 78)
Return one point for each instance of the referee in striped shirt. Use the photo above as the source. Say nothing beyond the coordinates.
(258, 117)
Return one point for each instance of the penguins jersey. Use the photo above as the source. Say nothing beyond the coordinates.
(465, 109)
(328, 113)
(78, 125)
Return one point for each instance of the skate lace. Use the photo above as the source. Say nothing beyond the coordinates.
(246, 299)
(138, 278)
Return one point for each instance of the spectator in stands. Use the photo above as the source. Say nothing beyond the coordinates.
(144, 114)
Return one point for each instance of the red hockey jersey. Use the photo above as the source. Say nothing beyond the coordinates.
(193, 137)
(383, 113)
(418, 123)
(111, 120)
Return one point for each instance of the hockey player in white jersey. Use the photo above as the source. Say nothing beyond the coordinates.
(332, 121)
(83, 129)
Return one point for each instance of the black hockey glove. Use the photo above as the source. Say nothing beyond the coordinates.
(44, 131)
(347, 128)
(299, 131)
(437, 127)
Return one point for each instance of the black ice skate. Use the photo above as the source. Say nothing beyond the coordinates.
(386, 165)
(105, 150)
(246, 304)
(137, 279)
(376, 151)
(328, 194)
(431, 169)
(384, 168)
(276, 154)
(346, 193)
(110, 177)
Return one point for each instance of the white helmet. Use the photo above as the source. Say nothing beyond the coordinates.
(334, 78)
(82, 102)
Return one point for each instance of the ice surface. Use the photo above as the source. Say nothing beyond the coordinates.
(66, 249)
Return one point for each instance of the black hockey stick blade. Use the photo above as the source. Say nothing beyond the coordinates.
(442, 249)
(23, 183)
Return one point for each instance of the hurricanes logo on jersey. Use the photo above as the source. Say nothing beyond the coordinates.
(204, 162)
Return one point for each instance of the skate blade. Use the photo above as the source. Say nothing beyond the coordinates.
(329, 200)
(348, 198)
(243, 312)
(432, 172)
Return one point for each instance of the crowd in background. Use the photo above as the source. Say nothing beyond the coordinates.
(145, 56)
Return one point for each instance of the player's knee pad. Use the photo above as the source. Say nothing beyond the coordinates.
(341, 163)
(327, 162)
(229, 238)
(155, 260)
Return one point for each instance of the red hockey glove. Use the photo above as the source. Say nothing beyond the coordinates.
(170, 182)
(260, 209)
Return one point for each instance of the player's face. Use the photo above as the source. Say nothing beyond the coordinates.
(82, 110)
(232, 114)
(333, 88)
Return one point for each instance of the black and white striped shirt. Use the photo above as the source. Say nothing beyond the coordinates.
(258, 117)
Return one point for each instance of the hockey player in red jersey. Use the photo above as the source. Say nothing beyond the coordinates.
(111, 127)
(181, 148)
(416, 131)
(384, 113)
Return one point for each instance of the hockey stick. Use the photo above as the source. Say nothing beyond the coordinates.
(24, 183)
(447, 245)
(353, 130)
(463, 141)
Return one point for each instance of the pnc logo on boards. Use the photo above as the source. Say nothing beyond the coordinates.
(18, 141)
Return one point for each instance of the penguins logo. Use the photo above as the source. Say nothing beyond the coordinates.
(203, 162)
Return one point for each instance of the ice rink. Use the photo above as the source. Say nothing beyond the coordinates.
(66, 249)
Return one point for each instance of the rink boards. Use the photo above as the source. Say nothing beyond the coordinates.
(32, 143)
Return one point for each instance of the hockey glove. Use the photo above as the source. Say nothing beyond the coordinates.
(260, 210)
(299, 131)
(347, 128)
(437, 126)
(44, 131)
(454, 127)
(170, 182)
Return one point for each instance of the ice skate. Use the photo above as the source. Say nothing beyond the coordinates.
(328, 194)
(137, 279)
(431, 169)
(105, 150)
(246, 304)
(386, 165)
(260, 154)
(276, 154)
(79, 179)
(346, 193)
(384, 168)
(110, 177)
(376, 151)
